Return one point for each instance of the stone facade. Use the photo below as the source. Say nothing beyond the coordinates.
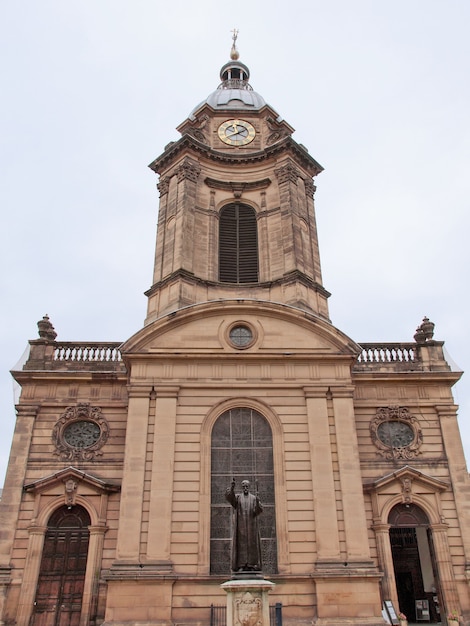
(367, 461)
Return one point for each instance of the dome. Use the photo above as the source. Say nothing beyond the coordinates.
(234, 92)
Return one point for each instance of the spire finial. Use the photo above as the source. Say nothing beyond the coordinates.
(234, 55)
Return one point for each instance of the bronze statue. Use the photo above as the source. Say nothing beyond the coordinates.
(246, 542)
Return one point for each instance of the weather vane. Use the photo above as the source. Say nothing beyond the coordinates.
(234, 52)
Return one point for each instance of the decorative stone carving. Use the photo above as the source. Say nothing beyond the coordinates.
(424, 332)
(197, 131)
(310, 188)
(188, 170)
(396, 433)
(227, 185)
(80, 433)
(406, 490)
(163, 185)
(45, 329)
(287, 173)
(276, 131)
(70, 491)
(248, 610)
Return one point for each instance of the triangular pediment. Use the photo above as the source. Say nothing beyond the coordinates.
(277, 329)
(406, 473)
(71, 474)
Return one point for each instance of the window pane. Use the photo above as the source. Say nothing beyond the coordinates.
(241, 448)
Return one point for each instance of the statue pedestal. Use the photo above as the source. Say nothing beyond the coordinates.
(247, 602)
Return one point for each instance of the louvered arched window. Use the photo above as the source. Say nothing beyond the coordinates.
(238, 244)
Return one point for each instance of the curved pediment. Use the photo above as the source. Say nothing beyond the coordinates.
(205, 328)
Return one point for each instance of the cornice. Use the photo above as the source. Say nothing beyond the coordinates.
(188, 142)
(286, 278)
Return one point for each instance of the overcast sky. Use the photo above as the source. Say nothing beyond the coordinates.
(92, 91)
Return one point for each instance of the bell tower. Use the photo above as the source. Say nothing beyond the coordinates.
(236, 217)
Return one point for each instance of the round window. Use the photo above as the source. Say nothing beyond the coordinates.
(81, 434)
(395, 434)
(241, 336)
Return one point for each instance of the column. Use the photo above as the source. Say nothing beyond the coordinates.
(161, 494)
(130, 516)
(324, 498)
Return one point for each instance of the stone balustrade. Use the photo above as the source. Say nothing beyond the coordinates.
(86, 352)
(390, 356)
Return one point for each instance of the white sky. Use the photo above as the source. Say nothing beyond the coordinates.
(91, 92)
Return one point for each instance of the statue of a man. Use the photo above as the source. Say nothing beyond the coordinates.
(246, 543)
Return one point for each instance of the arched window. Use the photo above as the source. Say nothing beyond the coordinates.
(242, 449)
(59, 592)
(238, 244)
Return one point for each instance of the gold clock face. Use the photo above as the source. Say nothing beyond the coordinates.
(236, 132)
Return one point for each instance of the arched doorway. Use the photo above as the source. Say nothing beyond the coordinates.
(414, 563)
(59, 592)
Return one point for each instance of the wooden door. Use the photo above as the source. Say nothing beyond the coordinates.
(61, 579)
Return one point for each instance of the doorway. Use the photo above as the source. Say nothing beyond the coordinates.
(59, 592)
(414, 564)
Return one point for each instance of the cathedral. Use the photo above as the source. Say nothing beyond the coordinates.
(114, 509)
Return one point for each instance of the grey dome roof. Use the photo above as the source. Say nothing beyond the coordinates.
(234, 92)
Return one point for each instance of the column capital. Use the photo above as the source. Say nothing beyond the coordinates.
(167, 391)
(163, 185)
(189, 170)
(287, 173)
(380, 527)
(36, 529)
(447, 410)
(316, 392)
(310, 187)
(97, 530)
(27, 410)
(139, 391)
(345, 391)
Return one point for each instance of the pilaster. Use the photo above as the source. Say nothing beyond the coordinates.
(287, 176)
(352, 497)
(161, 489)
(444, 564)
(458, 471)
(31, 574)
(15, 479)
(326, 514)
(385, 559)
(93, 568)
(130, 517)
(187, 176)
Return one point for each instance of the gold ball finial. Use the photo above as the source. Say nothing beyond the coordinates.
(234, 55)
